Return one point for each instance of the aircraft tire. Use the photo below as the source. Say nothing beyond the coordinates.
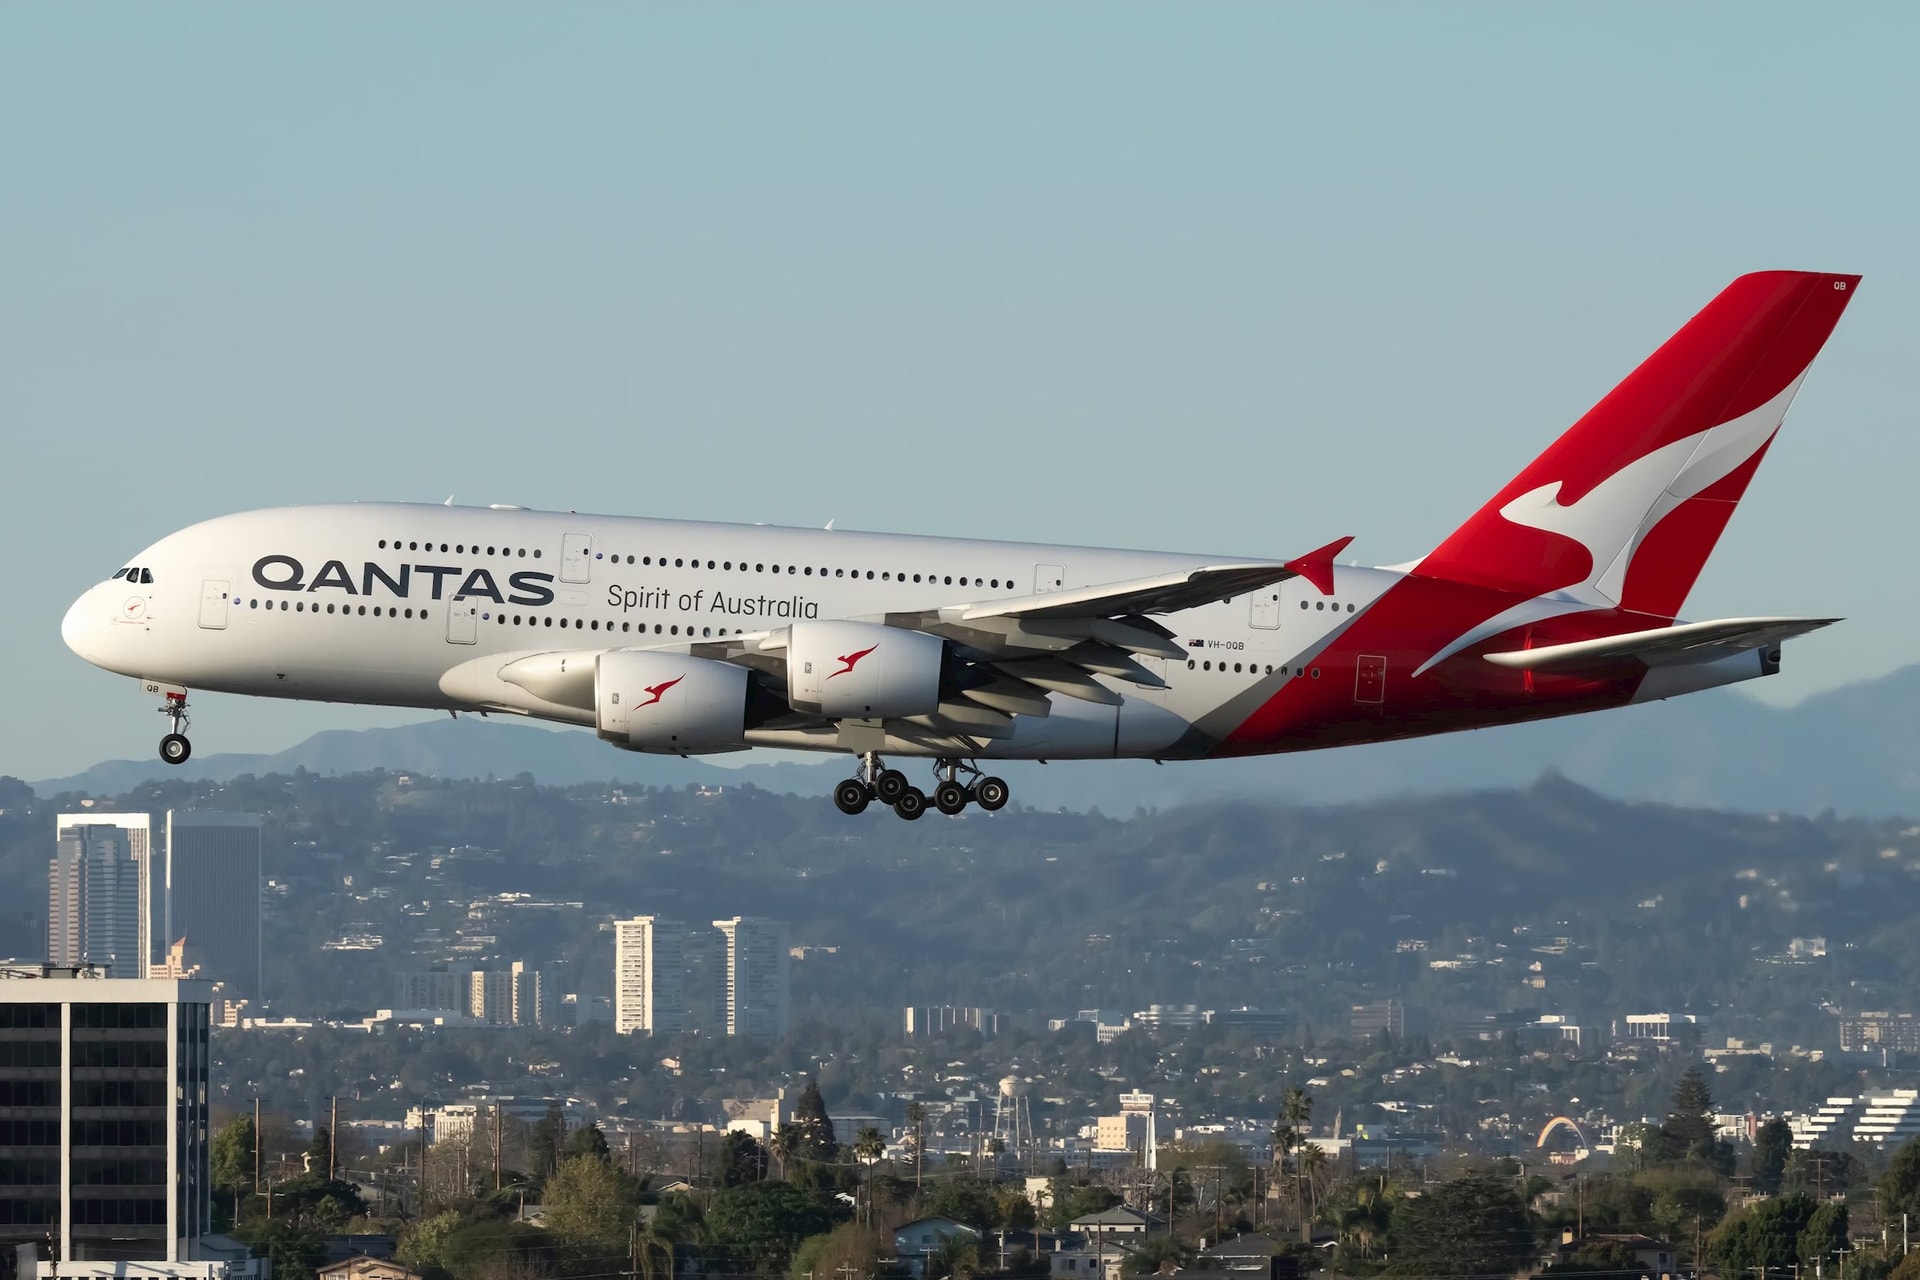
(950, 798)
(175, 749)
(891, 785)
(911, 804)
(990, 794)
(852, 796)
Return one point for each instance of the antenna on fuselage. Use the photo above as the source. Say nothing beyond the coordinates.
(448, 502)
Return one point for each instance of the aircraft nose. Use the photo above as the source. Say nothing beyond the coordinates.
(80, 628)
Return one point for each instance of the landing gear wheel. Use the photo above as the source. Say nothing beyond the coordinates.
(852, 796)
(911, 804)
(950, 798)
(990, 794)
(174, 748)
(891, 785)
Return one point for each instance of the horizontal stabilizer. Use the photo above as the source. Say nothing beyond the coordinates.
(1688, 644)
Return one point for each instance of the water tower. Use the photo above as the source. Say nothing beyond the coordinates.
(1013, 1118)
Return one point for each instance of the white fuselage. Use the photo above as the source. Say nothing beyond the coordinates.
(420, 606)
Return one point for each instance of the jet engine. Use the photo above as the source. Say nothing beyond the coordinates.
(669, 702)
(863, 670)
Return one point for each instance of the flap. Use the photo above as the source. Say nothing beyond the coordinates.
(1687, 644)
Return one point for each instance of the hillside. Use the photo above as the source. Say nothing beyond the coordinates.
(1855, 750)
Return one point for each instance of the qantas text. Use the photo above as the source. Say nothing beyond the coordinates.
(524, 587)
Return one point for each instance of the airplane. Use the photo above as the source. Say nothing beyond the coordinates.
(1561, 595)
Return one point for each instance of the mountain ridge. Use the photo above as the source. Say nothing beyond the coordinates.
(1855, 750)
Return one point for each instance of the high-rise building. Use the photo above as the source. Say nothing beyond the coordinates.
(524, 985)
(490, 996)
(136, 841)
(757, 976)
(93, 901)
(507, 997)
(433, 988)
(650, 975)
(211, 896)
(105, 1132)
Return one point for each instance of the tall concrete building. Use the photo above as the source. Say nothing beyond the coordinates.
(94, 912)
(523, 984)
(432, 988)
(490, 996)
(757, 976)
(650, 975)
(105, 1140)
(211, 893)
(68, 902)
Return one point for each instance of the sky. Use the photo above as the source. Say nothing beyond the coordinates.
(1237, 279)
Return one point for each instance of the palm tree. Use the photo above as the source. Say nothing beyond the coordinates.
(869, 1146)
(786, 1143)
(1296, 1110)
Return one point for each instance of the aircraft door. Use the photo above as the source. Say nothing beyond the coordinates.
(213, 604)
(463, 621)
(1370, 679)
(1048, 577)
(1264, 611)
(576, 557)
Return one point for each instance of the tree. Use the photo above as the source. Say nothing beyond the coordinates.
(957, 1255)
(742, 1159)
(1296, 1111)
(868, 1147)
(320, 1152)
(1899, 1186)
(1688, 1135)
(1071, 1200)
(589, 1203)
(759, 1225)
(1824, 1236)
(231, 1160)
(589, 1141)
(548, 1142)
(787, 1140)
(1472, 1226)
(1772, 1145)
(1157, 1255)
(850, 1249)
(1763, 1235)
(817, 1141)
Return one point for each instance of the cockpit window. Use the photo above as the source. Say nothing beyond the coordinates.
(119, 574)
(146, 576)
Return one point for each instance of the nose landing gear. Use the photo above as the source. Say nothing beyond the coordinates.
(174, 748)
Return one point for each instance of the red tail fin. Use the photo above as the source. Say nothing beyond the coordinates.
(1626, 506)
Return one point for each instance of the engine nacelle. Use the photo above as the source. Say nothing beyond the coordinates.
(647, 701)
(863, 670)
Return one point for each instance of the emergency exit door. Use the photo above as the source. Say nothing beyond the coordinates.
(213, 604)
(576, 557)
(1264, 611)
(463, 621)
(1370, 679)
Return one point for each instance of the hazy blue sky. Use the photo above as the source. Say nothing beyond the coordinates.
(1231, 278)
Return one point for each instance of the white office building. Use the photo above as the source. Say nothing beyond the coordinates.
(650, 975)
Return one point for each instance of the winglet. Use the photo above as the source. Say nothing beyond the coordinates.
(1317, 566)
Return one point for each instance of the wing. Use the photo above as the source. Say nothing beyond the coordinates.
(1688, 644)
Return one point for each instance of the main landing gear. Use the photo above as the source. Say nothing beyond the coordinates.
(890, 787)
(174, 748)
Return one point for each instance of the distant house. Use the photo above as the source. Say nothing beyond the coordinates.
(914, 1242)
(1118, 1221)
(1245, 1256)
(365, 1268)
(1661, 1259)
(1099, 1258)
